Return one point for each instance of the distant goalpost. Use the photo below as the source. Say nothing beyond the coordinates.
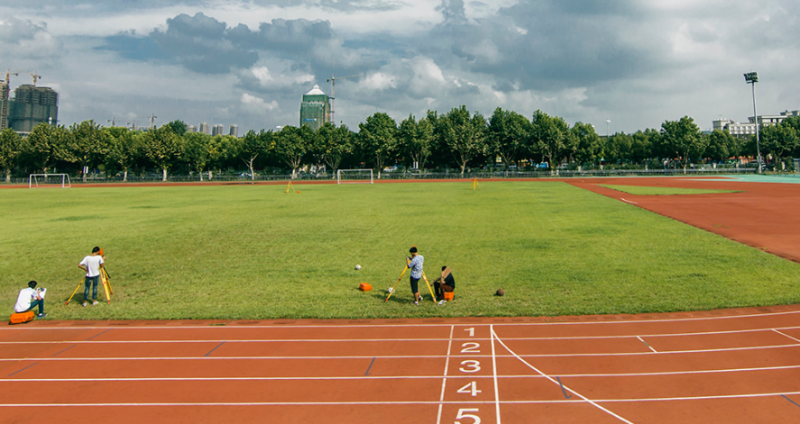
(49, 180)
(354, 176)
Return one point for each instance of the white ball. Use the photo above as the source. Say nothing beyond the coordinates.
(358, 267)
(390, 289)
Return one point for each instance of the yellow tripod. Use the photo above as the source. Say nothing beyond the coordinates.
(392, 291)
(475, 184)
(290, 186)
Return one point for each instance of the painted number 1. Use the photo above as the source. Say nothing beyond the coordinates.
(471, 331)
(464, 413)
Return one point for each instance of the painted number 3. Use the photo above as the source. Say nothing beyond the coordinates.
(470, 366)
(464, 413)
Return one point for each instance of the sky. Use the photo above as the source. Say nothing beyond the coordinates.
(248, 62)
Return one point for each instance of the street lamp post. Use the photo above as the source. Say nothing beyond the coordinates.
(608, 125)
(752, 78)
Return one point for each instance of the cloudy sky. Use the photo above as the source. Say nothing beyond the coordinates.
(248, 62)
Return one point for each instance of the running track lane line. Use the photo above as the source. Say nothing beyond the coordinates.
(494, 375)
(557, 383)
(212, 350)
(645, 343)
(786, 335)
(444, 379)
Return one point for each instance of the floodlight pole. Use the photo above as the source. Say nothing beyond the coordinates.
(752, 78)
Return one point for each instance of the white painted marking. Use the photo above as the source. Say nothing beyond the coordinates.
(470, 347)
(444, 379)
(786, 335)
(646, 344)
(494, 374)
(593, 403)
(628, 201)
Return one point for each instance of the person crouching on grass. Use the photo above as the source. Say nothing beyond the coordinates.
(30, 298)
(415, 263)
(444, 284)
(91, 264)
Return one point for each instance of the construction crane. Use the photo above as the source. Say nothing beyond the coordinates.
(152, 119)
(34, 75)
(332, 80)
(8, 76)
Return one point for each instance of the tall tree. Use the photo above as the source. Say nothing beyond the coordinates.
(125, 148)
(10, 148)
(252, 145)
(332, 144)
(45, 145)
(199, 151)
(642, 145)
(291, 146)
(587, 146)
(682, 139)
(378, 138)
(163, 148)
(779, 141)
(548, 136)
(88, 145)
(720, 145)
(416, 139)
(178, 127)
(507, 135)
(465, 136)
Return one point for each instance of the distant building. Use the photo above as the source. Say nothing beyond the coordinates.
(204, 128)
(315, 109)
(217, 129)
(3, 105)
(191, 128)
(747, 129)
(32, 106)
(234, 130)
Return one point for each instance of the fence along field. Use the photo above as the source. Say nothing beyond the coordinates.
(258, 252)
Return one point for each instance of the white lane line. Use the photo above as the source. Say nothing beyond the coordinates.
(786, 335)
(494, 375)
(397, 377)
(628, 201)
(372, 326)
(646, 344)
(444, 380)
(593, 403)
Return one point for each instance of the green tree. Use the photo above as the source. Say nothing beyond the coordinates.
(682, 140)
(779, 141)
(10, 148)
(199, 150)
(332, 144)
(45, 145)
(721, 145)
(178, 127)
(464, 136)
(587, 146)
(378, 138)
(252, 145)
(292, 144)
(642, 145)
(415, 139)
(163, 148)
(125, 148)
(88, 145)
(507, 135)
(548, 136)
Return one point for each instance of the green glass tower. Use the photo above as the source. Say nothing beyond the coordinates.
(32, 106)
(315, 109)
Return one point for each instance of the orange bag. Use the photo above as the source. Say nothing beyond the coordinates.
(365, 287)
(449, 296)
(21, 317)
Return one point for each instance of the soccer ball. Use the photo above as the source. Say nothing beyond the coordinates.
(358, 267)
(390, 289)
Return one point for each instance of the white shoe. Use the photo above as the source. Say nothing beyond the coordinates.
(95, 303)
(442, 302)
(84, 304)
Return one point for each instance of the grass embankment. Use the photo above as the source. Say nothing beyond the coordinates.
(662, 191)
(237, 252)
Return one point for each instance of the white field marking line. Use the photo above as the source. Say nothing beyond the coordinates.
(646, 344)
(444, 380)
(373, 326)
(560, 384)
(628, 201)
(786, 335)
(396, 377)
(494, 374)
(701, 333)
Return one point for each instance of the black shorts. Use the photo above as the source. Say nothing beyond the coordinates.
(414, 285)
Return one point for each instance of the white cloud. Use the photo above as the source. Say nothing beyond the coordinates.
(258, 102)
(378, 81)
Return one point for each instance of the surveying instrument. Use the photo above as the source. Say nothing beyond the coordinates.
(393, 289)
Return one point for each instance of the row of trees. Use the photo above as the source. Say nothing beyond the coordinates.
(457, 139)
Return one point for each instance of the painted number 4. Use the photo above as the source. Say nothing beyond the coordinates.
(470, 388)
(463, 413)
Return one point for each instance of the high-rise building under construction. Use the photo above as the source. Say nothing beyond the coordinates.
(3, 105)
(32, 106)
(315, 109)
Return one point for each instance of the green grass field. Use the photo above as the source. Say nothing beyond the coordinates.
(662, 191)
(234, 252)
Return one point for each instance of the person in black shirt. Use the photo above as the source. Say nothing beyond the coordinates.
(444, 284)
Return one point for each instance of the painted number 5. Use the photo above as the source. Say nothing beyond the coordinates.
(470, 366)
(463, 413)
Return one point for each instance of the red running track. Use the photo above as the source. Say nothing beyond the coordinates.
(732, 366)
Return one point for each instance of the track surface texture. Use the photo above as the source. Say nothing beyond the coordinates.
(731, 366)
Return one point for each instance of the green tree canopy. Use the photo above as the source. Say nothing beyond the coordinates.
(682, 139)
(10, 148)
(465, 136)
(507, 135)
(163, 148)
(88, 145)
(124, 149)
(378, 138)
(548, 136)
(332, 144)
(45, 145)
(415, 140)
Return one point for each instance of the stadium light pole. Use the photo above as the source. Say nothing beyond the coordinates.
(752, 78)
(608, 126)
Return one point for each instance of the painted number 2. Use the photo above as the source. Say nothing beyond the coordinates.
(470, 389)
(464, 413)
(470, 347)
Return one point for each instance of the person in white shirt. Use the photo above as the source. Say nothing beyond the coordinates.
(91, 264)
(30, 298)
(415, 262)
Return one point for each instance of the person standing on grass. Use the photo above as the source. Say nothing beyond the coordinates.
(91, 264)
(415, 263)
(444, 284)
(30, 298)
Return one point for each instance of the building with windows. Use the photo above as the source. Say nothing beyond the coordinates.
(315, 109)
(217, 129)
(191, 128)
(32, 106)
(204, 128)
(234, 130)
(747, 129)
(4, 93)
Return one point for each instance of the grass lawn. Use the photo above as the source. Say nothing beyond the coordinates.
(662, 191)
(236, 252)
